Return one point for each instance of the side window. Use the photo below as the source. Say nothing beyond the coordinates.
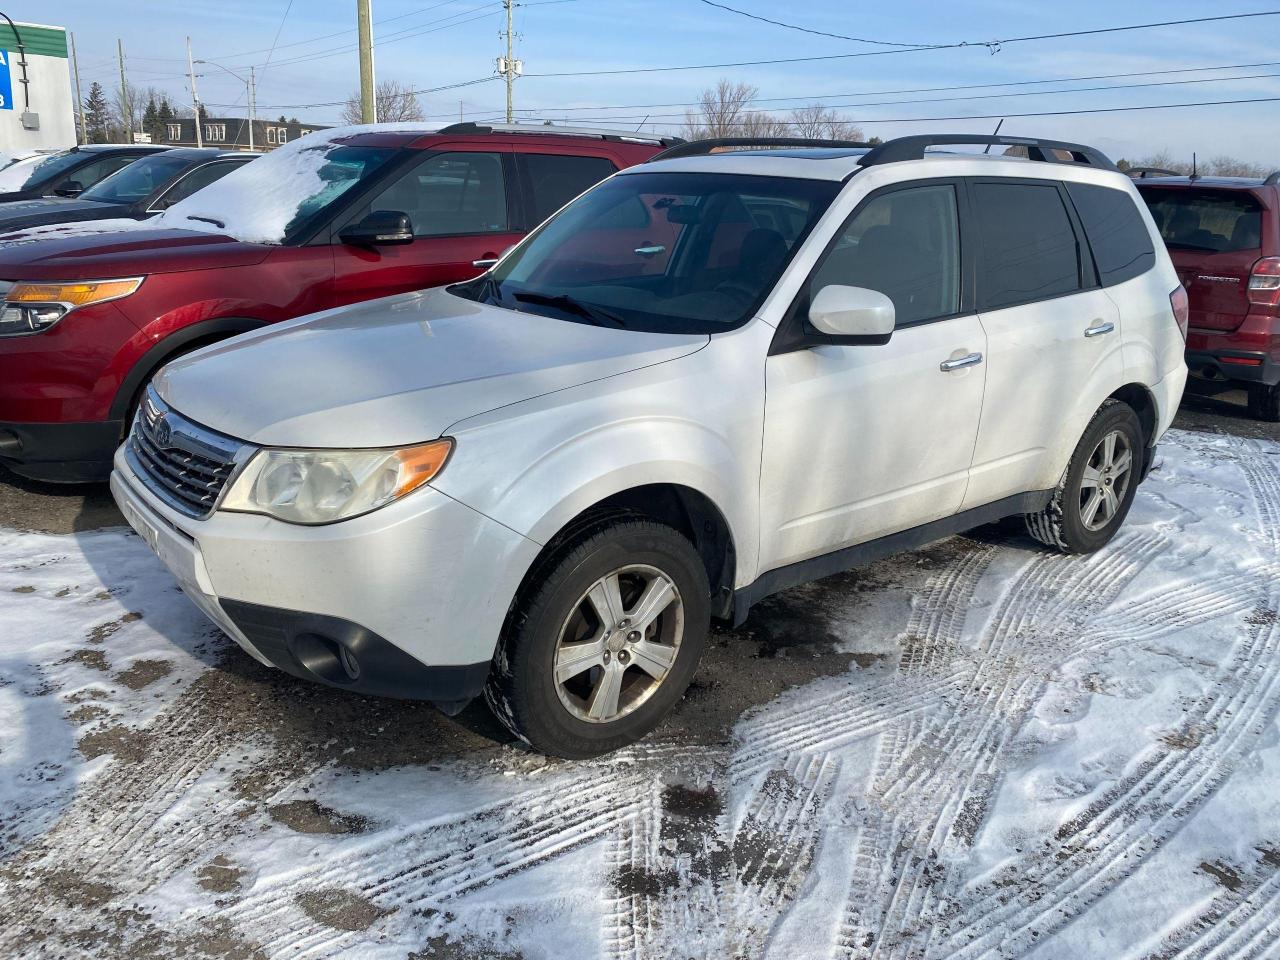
(906, 244)
(450, 194)
(91, 173)
(553, 180)
(197, 179)
(1117, 234)
(1028, 246)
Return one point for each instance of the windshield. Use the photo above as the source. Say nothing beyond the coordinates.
(661, 252)
(1213, 221)
(138, 180)
(279, 195)
(27, 176)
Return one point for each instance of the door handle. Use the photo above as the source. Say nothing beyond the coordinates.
(1099, 327)
(485, 262)
(972, 360)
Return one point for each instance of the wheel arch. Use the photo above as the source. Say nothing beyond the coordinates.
(685, 509)
(184, 340)
(1143, 403)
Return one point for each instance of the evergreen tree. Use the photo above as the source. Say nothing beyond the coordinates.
(97, 114)
(150, 121)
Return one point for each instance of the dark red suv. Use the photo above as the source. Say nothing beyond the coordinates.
(1223, 235)
(324, 221)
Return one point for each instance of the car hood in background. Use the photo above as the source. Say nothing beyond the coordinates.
(48, 254)
(34, 213)
(397, 371)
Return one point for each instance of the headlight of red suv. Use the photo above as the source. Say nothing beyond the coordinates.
(31, 307)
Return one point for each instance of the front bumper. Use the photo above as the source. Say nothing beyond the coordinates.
(60, 452)
(407, 601)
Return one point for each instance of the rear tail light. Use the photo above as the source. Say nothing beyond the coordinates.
(1264, 282)
(1181, 309)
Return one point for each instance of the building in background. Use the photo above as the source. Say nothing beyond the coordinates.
(40, 114)
(232, 133)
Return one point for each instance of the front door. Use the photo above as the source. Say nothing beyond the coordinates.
(460, 204)
(864, 441)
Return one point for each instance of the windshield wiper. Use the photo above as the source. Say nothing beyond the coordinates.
(217, 223)
(595, 315)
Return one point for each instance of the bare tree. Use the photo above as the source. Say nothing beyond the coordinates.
(819, 122)
(126, 111)
(723, 111)
(1223, 166)
(394, 101)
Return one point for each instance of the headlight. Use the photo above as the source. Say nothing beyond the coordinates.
(321, 486)
(35, 307)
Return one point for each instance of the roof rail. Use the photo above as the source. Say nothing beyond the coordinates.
(913, 148)
(1272, 180)
(697, 148)
(630, 136)
(1142, 173)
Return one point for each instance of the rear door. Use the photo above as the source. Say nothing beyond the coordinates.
(1214, 238)
(550, 180)
(464, 207)
(1051, 331)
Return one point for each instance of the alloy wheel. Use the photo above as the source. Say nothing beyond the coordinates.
(1105, 480)
(618, 643)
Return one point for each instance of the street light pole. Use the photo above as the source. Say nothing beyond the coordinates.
(250, 87)
(195, 97)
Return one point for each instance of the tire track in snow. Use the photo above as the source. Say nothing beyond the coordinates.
(1240, 923)
(915, 797)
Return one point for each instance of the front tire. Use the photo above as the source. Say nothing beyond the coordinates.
(1098, 487)
(598, 650)
(1264, 402)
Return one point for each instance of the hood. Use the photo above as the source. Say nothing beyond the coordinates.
(396, 371)
(33, 213)
(119, 249)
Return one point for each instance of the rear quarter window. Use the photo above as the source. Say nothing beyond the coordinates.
(1211, 221)
(1116, 232)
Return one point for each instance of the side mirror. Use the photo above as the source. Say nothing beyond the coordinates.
(379, 229)
(852, 314)
(72, 188)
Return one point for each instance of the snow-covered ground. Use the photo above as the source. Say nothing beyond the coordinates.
(1029, 756)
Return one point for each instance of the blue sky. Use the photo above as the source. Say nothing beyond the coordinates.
(433, 43)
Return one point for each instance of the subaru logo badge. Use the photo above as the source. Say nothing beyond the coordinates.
(163, 431)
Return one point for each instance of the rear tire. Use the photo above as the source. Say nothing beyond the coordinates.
(1097, 489)
(1264, 402)
(603, 644)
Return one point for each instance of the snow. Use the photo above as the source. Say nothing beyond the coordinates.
(14, 175)
(62, 231)
(1031, 755)
(257, 201)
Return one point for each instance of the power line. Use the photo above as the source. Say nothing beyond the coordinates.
(885, 93)
(276, 38)
(819, 33)
(341, 103)
(993, 45)
(985, 96)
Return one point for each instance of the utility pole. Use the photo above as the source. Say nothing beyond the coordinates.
(126, 108)
(195, 97)
(253, 105)
(83, 136)
(364, 21)
(509, 66)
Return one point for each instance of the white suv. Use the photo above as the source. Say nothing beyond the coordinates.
(708, 378)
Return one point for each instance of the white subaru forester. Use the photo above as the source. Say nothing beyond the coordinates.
(708, 378)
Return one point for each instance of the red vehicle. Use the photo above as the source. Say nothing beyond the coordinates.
(1223, 235)
(324, 221)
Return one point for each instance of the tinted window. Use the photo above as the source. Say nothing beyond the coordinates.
(906, 244)
(450, 194)
(664, 252)
(136, 181)
(1121, 245)
(197, 179)
(1215, 221)
(552, 181)
(1028, 246)
(91, 173)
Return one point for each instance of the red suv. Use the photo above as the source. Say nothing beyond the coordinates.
(327, 220)
(1223, 234)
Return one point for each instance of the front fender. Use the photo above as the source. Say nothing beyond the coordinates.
(535, 465)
